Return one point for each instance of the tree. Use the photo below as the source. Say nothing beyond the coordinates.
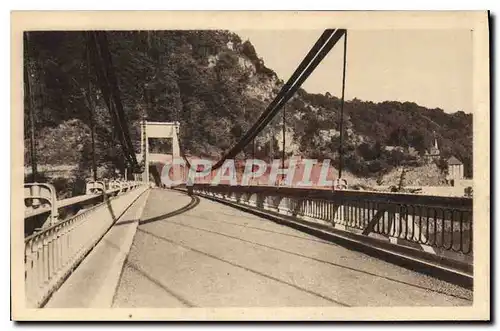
(442, 164)
(417, 141)
(399, 137)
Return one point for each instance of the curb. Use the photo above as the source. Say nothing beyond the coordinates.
(104, 297)
(81, 260)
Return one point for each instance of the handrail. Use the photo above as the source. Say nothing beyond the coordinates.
(75, 200)
(61, 204)
(61, 222)
(65, 203)
(436, 223)
(408, 198)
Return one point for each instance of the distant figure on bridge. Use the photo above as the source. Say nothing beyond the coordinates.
(189, 185)
(340, 184)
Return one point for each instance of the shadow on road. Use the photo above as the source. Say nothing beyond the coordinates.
(136, 268)
(107, 199)
(246, 268)
(192, 204)
(325, 262)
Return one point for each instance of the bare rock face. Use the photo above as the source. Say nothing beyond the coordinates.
(425, 175)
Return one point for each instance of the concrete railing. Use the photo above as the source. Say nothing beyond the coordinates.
(42, 208)
(442, 224)
(52, 253)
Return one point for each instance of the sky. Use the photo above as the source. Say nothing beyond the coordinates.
(432, 68)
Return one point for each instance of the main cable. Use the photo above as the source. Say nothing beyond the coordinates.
(322, 47)
(102, 60)
(296, 74)
(103, 43)
(104, 85)
(300, 80)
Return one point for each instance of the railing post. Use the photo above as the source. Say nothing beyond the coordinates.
(29, 283)
(36, 193)
(45, 259)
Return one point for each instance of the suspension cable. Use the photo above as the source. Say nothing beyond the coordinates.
(122, 122)
(104, 84)
(322, 47)
(30, 104)
(342, 106)
(284, 131)
(103, 64)
(300, 80)
(91, 107)
(303, 68)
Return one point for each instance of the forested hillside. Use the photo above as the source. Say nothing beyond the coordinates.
(216, 86)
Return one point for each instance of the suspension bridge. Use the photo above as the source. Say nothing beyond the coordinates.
(142, 242)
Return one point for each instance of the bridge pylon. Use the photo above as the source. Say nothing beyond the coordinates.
(160, 130)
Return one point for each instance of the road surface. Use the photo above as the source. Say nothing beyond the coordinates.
(193, 252)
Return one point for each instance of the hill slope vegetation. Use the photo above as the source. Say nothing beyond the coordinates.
(216, 91)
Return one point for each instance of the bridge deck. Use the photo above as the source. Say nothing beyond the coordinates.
(192, 252)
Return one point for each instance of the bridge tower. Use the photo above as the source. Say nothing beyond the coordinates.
(160, 130)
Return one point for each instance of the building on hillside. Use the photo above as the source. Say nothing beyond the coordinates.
(455, 168)
(230, 45)
(433, 153)
(413, 152)
(394, 148)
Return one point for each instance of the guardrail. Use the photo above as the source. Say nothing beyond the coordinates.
(444, 223)
(52, 253)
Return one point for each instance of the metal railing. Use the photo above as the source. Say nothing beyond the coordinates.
(444, 223)
(52, 253)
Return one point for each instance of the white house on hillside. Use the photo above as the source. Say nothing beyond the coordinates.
(455, 168)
